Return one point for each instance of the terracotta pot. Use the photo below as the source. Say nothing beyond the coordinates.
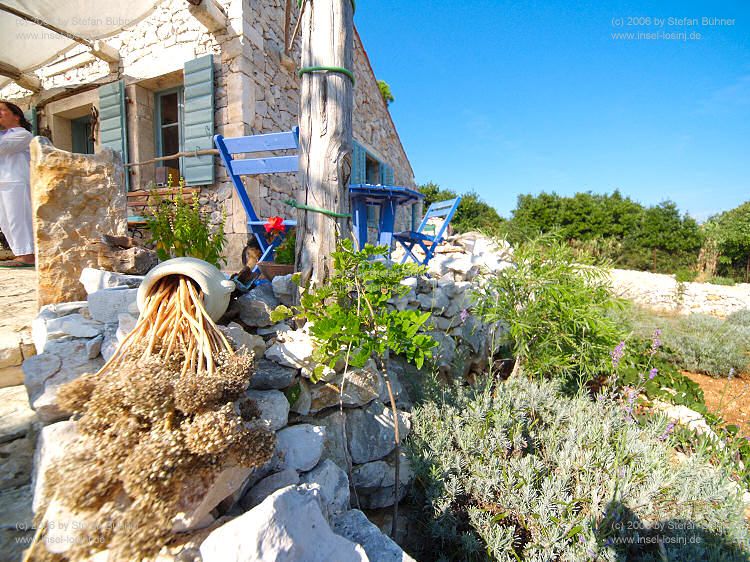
(270, 269)
(217, 289)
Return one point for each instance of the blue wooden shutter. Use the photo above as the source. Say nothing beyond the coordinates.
(31, 118)
(199, 120)
(359, 164)
(386, 174)
(112, 122)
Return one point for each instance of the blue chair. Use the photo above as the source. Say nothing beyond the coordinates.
(236, 167)
(428, 242)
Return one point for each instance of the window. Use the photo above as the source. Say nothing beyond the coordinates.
(82, 135)
(372, 169)
(169, 132)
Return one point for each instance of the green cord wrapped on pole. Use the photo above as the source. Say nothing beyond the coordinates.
(296, 205)
(339, 69)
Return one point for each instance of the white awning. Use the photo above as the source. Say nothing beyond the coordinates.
(26, 46)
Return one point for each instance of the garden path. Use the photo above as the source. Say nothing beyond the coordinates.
(730, 398)
(17, 299)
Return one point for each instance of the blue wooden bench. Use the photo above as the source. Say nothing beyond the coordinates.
(236, 167)
(428, 242)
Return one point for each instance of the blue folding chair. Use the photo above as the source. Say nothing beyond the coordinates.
(236, 167)
(428, 242)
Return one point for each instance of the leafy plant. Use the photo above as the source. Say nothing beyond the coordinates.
(515, 471)
(284, 253)
(719, 280)
(385, 91)
(556, 309)
(352, 319)
(180, 228)
(684, 275)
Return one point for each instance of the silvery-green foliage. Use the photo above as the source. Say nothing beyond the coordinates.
(519, 471)
(698, 342)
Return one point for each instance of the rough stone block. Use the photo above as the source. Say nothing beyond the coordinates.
(75, 199)
(106, 304)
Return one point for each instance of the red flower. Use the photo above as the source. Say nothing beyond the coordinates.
(275, 225)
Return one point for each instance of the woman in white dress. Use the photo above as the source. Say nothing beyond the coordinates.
(15, 192)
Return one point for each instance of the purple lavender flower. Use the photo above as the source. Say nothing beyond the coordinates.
(617, 354)
(652, 373)
(667, 431)
(656, 341)
(464, 315)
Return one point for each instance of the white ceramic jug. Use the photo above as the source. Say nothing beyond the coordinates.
(216, 288)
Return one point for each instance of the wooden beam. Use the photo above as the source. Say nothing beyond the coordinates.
(98, 48)
(326, 102)
(26, 81)
(209, 13)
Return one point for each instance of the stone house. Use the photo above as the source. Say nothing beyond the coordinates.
(187, 72)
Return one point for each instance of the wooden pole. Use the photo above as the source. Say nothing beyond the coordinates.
(326, 103)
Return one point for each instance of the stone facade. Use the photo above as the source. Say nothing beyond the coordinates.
(256, 90)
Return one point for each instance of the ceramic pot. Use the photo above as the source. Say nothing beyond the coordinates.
(216, 288)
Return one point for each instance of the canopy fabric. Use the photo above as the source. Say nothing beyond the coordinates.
(27, 46)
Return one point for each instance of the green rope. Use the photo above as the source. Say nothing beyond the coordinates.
(340, 69)
(354, 5)
(293, 203)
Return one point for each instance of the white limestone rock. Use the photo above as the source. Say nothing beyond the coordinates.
(376, 485)
(370, 431)
(16, 462)
(96, 279)
(334, 485)
(269, 485)
(288, 526)
(16, 417)
(55, 442)
(256, 306)
(284, 289)
(270, 375)
(299, 447)
(273, 406)
(10, 350)
(355, 526)
(240, 339)
(106, 304)
(292, 349)
(63, 361)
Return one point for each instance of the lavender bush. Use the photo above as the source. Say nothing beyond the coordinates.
(517, 471)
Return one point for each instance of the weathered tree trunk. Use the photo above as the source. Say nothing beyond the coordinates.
(326, 103)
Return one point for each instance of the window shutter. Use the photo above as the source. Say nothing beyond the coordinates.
(31, 118)
(112, 123)
(198, 128)
(359, 164)
(386, 174)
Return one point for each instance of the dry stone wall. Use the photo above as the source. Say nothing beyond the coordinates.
(323, 456)
(663, 293)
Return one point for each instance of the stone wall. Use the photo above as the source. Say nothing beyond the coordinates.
(663, 293)
(256, 91)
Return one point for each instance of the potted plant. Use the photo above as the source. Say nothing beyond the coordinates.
(283, 263)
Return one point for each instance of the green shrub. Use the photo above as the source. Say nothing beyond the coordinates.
(684, 275)
(718, 280)
(180, 228)
(740, 318)
(696, 342)
(519, 472)
(556, 308)
(704, 344)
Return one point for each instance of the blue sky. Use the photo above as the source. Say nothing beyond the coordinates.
(507, 98)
